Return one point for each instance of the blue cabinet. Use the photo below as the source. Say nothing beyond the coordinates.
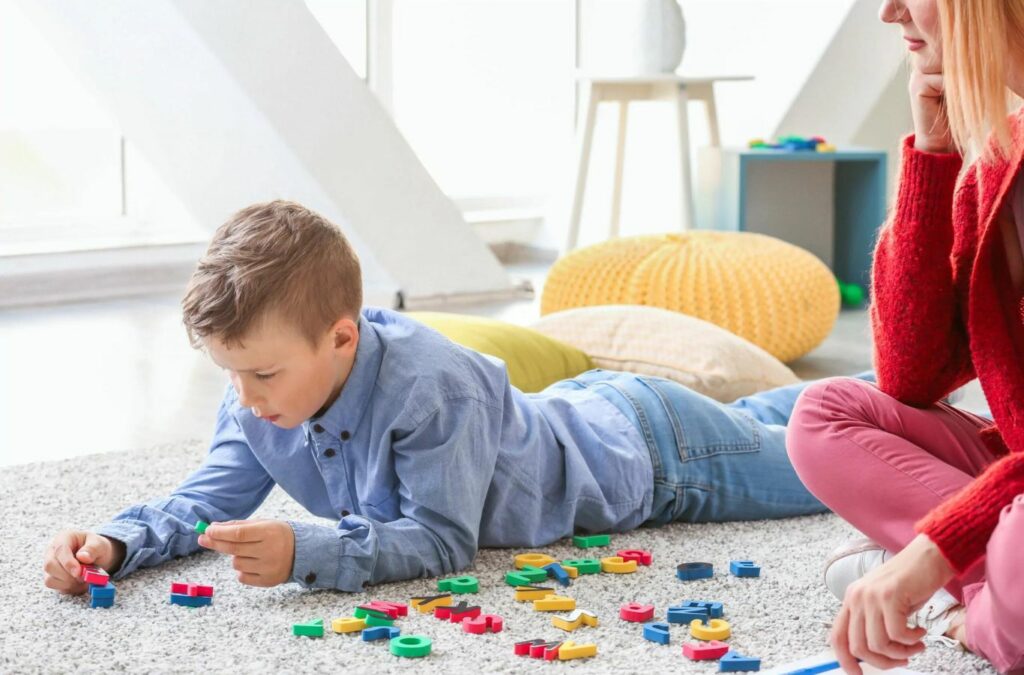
(831, 204)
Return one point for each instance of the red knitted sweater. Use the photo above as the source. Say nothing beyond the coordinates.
(942, 303)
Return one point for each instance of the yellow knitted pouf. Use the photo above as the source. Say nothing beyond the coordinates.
(776, 295)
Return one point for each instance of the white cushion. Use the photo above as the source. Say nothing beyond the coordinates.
(663, 343)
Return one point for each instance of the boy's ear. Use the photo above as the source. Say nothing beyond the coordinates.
(345, 333)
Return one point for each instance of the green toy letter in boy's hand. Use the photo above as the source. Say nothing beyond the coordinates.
(201, 526)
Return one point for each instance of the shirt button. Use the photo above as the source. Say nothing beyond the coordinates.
(329, 452)
(344, 513)
(317, 428)
(310, 578)
(345, 435)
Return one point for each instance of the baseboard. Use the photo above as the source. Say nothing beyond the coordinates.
(41, 279)
(521, 290)
(517, 253)
(116, 271)
(512, 234)
(103, 274)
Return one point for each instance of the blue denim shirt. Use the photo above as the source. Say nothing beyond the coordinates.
(434, 455)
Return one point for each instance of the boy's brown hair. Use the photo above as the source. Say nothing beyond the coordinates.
(274, 257)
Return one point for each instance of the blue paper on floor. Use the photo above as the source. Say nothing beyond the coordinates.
(815, 664)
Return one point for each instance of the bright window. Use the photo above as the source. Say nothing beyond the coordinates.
(59, 151)
(483, 91)
(68, 179)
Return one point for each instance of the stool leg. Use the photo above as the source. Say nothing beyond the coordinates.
(705, 93)
(687, 209)
(586, 139)
(712, 112)
(620, 159)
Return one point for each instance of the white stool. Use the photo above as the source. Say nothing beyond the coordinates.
(671, 87)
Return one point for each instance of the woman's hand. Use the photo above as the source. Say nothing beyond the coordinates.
(872, 625)
(927, 105)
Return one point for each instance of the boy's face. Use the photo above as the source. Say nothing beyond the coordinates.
(280, 376)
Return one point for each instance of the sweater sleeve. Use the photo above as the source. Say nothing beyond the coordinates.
(962, 525)
(920, 341)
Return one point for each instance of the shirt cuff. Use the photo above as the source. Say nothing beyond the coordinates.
(341, 558)
(927, 183)
(133, 536)
(317, 554)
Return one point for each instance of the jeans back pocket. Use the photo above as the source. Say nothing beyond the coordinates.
(700, 426)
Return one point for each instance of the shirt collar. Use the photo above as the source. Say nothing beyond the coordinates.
(348, 409)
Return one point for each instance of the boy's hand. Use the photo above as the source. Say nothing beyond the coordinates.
(70, 550)
(263, 550)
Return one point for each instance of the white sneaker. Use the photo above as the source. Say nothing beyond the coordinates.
(936, 617)
(850, 562)
(856, 558)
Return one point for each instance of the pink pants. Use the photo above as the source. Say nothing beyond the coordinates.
(882, 465)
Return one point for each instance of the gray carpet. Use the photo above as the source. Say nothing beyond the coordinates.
(778, 617)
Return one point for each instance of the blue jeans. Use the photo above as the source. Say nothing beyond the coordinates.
(712, 461)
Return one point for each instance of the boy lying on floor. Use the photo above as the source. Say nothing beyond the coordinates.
(420, 449)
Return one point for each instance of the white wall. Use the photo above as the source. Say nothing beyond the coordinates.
(779, 42)
(857, 92)
(888, 121)
(848, 77)
(236, 102)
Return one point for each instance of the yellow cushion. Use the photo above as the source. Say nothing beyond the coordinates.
(652, 341)
(534, 360)
(774, 294)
